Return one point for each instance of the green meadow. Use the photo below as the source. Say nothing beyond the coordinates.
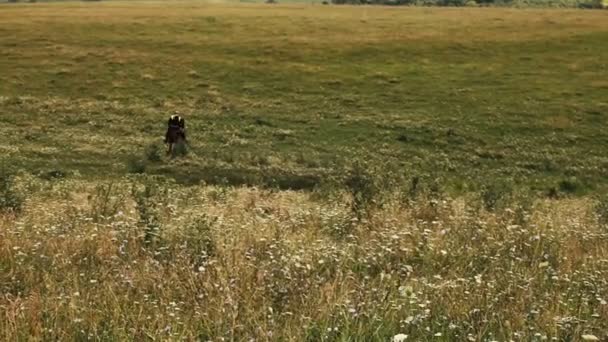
(301, 92)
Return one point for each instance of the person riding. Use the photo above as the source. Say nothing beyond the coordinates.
(175, 126)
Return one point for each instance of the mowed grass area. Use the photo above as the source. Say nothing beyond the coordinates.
(292, 94)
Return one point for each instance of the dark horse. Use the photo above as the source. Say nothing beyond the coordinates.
(176, 132)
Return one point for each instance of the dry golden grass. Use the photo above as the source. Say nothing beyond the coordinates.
(243, 263)
(356, 24)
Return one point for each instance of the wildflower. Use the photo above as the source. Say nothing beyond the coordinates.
(438, 334)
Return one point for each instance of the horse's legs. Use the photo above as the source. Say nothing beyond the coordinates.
(170, 149)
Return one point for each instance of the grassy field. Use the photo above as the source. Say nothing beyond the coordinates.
(294, 92)
(354, 174)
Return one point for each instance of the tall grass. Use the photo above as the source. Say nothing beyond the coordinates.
(245, 263)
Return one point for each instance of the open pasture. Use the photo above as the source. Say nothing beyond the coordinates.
(355, 173)
(297, 92)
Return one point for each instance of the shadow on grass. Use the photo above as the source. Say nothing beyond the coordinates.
(268, 178)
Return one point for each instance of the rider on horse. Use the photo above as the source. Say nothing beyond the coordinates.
(176, 128)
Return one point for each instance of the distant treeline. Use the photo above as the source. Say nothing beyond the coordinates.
(511, 3)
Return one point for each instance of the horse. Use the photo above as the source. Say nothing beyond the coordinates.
(176, 134)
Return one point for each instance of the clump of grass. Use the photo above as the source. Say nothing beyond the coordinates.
(10, 198)
(52, 174)
(362, 188)
(105, 202)
(200, 241)
(148, 197)
(136, 165)
(601, 209)
(569, 186)
(153, 153)
(494, 195)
